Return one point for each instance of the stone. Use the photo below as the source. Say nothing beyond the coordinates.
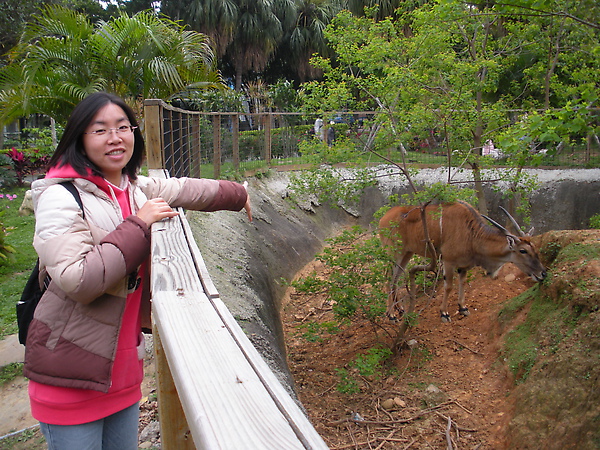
(388, 404)
(26, 208)
(434, 396)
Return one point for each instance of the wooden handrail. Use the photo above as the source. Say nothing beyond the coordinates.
(215, 391)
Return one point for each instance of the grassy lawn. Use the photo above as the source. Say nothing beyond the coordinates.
(14, 272)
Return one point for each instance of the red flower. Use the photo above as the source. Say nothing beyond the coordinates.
(16, 155)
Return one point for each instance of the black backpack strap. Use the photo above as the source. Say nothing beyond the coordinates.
(69, 186)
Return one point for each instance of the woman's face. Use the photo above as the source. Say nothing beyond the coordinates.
(108, 141)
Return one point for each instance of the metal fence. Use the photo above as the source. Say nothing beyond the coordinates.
(216, 145)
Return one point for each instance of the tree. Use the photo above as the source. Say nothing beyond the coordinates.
(306, 36)
(215, 18)
(245, 33)
(13, 15)
(62, 57)
(446, 79)
(260, 27)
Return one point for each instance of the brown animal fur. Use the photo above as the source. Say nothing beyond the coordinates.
(463, 240)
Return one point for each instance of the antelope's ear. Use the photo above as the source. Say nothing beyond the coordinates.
(513, 241)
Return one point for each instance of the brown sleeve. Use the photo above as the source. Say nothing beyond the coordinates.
(132, 238)
(230, 196)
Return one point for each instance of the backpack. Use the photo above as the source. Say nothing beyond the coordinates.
(32, 293)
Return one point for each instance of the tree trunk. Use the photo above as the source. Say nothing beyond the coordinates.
(479, 188)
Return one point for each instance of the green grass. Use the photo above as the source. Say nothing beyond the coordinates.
(547, 324)
(15, 272)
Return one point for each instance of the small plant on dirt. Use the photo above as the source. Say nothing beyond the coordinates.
(595, 221)
(370, 365)
(313, 331)
(10, 372)
(355, 287)
(347, 384)
(356, 284)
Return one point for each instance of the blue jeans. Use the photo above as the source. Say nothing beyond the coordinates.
(116, 432)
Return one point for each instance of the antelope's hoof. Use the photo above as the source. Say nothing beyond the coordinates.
(464, 311)
(446, 317)
(393, 317)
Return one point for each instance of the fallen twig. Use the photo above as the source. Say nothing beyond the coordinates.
(390, 422)
(468, 430)
(463, 345)
(448, 437)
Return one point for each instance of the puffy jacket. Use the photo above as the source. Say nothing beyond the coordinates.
(72, 338)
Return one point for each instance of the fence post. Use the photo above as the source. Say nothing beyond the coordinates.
(195, 154)
(267, 119)
(154, 133)
(174, 430)
(217, 145)
(236, 141)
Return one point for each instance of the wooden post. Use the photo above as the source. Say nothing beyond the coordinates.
(236, 141)
(217, 145)
(195, 156)
(267, 119)
(154, 133)
(174, 430)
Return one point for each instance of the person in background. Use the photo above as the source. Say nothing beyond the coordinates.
(330, 134)
(84, 348)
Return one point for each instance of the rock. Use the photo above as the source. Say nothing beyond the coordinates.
(399, 402)
(388, 404)
(510, 277)
(412, 343)
(26, 208)
(434, 396)
(150, 434)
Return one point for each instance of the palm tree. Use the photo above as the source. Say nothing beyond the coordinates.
(215, 18)
(385, 8)
(260, 27)
(62, 57)
(306, 36)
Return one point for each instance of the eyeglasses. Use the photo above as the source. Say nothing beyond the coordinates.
(123, 130)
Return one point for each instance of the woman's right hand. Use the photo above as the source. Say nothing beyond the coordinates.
(154, 210)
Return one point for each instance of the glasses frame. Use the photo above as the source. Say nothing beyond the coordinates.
(117, 131)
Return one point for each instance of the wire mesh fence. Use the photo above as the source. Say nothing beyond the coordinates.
(217, 145)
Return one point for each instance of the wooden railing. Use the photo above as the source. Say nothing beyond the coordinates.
(215, 391)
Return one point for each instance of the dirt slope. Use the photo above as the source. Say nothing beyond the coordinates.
(455, 384)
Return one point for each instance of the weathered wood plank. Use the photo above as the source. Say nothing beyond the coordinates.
(225, 401)
(209, 288)
(173, 268)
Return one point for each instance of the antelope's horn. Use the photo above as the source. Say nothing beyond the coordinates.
(497, 225)
(514, 222)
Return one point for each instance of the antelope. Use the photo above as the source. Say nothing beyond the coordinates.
(459, 235)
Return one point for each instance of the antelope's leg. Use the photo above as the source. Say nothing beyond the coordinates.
(462, 275)
(394, 301)
(448, 281)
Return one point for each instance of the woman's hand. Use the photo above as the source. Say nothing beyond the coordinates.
(247, 206)
(155, 210)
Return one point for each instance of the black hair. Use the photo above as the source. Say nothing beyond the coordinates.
(70, 149)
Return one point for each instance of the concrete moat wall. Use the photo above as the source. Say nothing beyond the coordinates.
(250, 263)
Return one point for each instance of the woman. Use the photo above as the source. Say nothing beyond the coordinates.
(84, 346)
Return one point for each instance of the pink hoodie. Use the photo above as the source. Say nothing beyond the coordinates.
(68, 406)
